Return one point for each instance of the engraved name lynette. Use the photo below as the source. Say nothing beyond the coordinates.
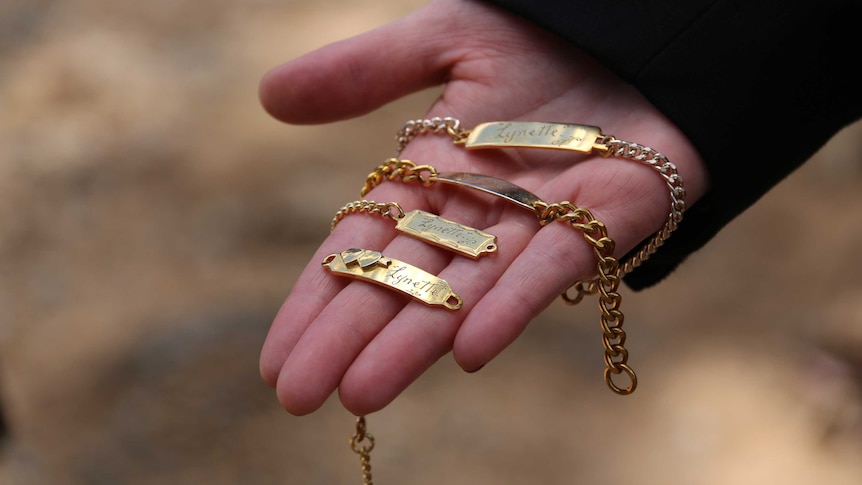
(555, 134)
(453, 231)
(400, 277)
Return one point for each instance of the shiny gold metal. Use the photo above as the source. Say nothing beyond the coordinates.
(491, 185)
(529, 134)
(607, 285)
(447, 234)
(363, 450)
(407, 171)
(373, 267)
(427, 227)
(403, 170)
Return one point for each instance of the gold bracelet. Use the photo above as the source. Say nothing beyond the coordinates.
(427, 227)
(561, 136)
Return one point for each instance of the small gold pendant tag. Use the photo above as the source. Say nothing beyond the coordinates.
(448, 234)
(372, 266)
(521, 134)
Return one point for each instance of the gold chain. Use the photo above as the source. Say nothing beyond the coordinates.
(403, 170)
(386, 209)
(613, 335)
(412, 128)
(364, 451)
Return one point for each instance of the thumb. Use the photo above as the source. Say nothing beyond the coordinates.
(357, 75)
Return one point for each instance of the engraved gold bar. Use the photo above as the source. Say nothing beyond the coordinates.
(530, 134)
(447, 234)
(491, 185)
(397, 275)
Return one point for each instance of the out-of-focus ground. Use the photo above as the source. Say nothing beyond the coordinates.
(153, 217)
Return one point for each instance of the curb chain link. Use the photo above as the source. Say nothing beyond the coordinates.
(386, 209)
(412, 128)
(607, 284)
(404, 170)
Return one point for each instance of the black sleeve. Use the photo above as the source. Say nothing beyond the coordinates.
(757, 86)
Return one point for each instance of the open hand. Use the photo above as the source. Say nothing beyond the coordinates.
(370, 343)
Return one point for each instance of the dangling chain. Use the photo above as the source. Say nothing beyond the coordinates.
(364, 451)
(613, 335)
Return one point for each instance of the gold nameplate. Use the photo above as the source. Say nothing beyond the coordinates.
(491, 185)
(442, 232)
(523, 134)
(373, 267)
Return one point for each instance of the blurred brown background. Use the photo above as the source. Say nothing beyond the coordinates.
(153, 217)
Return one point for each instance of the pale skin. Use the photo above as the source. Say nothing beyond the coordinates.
(370, 343)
